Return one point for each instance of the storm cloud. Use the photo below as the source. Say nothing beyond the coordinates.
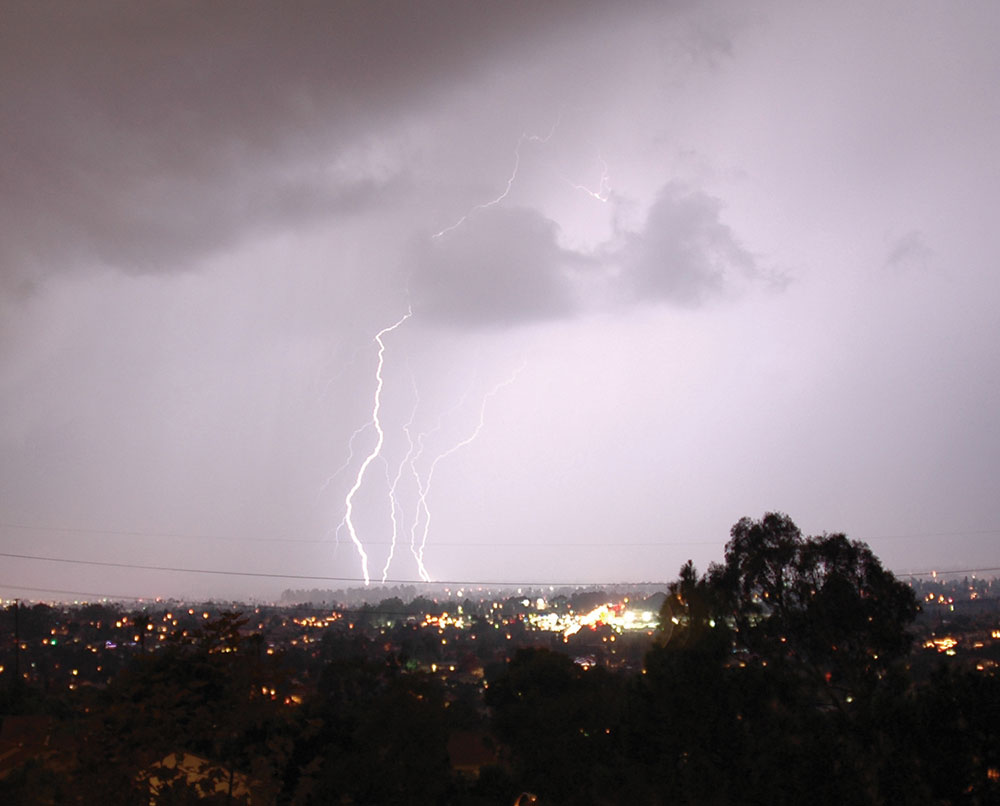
(507, 267)
(142, 137)
(499, 268)
(685, 252)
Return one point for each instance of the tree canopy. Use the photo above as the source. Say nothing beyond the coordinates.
(823, 603)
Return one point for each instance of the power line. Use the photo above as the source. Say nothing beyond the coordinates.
(136, 566)
(270, 575)
(358, 580)
(919, 535)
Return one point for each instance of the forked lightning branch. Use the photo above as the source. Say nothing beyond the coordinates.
(420, 510)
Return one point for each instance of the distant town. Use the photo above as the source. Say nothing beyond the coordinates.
(59, 659)
(456, 634)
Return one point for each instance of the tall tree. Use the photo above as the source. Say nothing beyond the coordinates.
(770, 671)
(820, 605)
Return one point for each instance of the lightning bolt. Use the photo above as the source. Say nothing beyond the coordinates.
(394, 505)
(407, 475)
(376, 451)
(603, 193)
(413, 455)
(524, 138)
(347, 461)
(425, 487)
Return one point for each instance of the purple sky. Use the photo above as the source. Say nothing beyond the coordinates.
(734, 260)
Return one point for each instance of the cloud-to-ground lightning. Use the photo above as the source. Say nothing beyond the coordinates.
(425, 486)
(414, 451)
(395, 509)
(375, 452)
(412, 476)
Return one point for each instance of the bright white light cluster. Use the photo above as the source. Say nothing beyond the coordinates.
(618, 617)
(445, 620)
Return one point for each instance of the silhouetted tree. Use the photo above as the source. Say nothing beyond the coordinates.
(208, 693)
(823, 605)
(765, 679)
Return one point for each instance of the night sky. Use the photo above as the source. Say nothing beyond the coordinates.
(669, 263)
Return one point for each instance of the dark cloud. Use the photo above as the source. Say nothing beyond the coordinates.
(135, 134)
(503, 266)
(500, 266)
(685, 251)
(172, 222)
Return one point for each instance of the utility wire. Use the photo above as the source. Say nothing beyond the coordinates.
(357, 580)
(313, 577)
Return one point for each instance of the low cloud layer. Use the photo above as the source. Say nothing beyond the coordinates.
(685, 252)
(504, 266)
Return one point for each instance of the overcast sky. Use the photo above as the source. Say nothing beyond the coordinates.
(670, 263)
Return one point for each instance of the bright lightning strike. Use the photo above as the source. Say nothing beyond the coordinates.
(395, 509)
(408, 476)
(425, 487)
(603, 192)
(413, 454)
(376, 451)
